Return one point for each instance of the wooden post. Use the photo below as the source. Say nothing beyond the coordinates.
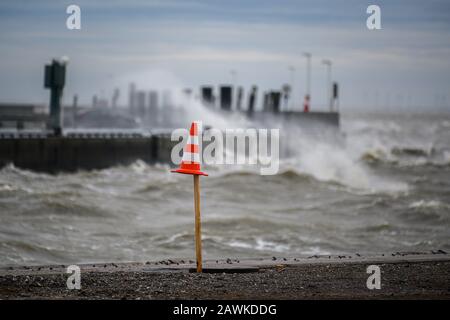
(198, 225)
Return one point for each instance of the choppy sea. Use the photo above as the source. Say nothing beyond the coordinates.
(385, 188)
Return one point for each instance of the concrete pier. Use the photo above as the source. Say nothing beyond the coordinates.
(69, 154)
(305, 120)
(88, 151)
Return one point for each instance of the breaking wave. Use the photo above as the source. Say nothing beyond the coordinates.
(384, 186)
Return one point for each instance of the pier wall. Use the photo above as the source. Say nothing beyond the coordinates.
(54, 154)
(64, 154)
(301, 119)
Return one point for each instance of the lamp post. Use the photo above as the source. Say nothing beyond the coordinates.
(308, 72)
(233, 76)
(234, 85)
(307, 101)
(291, 81)
(328, 64)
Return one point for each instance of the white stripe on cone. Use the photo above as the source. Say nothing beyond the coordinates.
(193, 140)
(192, 157)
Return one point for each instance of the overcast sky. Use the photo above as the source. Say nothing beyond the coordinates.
(189, 43)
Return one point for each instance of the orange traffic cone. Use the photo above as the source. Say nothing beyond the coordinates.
(190, 164)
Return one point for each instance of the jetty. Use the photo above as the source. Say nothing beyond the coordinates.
(68, 138)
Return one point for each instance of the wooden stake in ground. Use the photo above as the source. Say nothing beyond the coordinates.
(198, 223)
(190, 164)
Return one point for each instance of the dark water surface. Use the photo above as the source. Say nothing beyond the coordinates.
(387, 188)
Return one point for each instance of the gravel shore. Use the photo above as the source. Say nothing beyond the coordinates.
(403, 276)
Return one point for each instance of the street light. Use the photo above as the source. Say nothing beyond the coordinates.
(233, 76)
(292, 79)
(307, 101)
(234, 84)
(328, 64)
(308, 72)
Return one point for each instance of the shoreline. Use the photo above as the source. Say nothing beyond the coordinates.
(404, 275)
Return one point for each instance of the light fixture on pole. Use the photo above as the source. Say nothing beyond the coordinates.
(291, 82)
(233, 76)
(328, 64)
(307, 101)
(234, 85)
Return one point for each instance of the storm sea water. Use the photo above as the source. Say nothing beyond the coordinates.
(385, 187)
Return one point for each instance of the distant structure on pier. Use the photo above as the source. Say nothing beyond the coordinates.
(149, 108)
